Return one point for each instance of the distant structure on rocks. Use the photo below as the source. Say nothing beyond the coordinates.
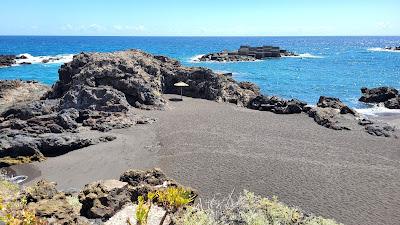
(247, 53)
(396, 48)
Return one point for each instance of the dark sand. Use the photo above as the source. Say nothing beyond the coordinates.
(350, 176)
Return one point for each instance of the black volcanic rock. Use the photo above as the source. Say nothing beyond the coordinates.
(7, 60)
(334, 114)
(393, 103)
(277, 105)
(377, 95)
(335, 103)
(393, 48)
(102, 199)
(387, 95)
(224, 57)
(140, 79)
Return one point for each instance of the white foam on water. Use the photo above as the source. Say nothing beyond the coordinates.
(382, 50)
(195, 58)
(377, 110)
(304, 55)
(57, 59)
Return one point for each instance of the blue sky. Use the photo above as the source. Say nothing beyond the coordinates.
(200, 17)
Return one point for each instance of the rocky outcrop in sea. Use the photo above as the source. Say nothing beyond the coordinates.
(387, 96)
(7, 60)
(246, 54)
(393, 48)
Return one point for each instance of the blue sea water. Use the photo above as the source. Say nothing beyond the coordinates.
(332, 66)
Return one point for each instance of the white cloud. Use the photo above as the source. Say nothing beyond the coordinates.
(92, 28)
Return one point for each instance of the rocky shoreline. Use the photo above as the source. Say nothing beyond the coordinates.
(25, 59)
(103, 91)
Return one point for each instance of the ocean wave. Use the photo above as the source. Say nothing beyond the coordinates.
(305, 55)
(56, 59)
(195, 58)
(377, 111)
(382, 50)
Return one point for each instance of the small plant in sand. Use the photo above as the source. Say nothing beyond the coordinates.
(143, 209)
(173, 198)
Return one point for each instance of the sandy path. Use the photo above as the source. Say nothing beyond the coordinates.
(216, 148)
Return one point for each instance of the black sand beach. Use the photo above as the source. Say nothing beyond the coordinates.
(218, 148)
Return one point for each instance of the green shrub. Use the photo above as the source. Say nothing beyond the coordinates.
(248, 209)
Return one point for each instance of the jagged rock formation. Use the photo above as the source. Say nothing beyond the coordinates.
(139, 79)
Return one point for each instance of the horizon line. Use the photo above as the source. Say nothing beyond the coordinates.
(40, 35)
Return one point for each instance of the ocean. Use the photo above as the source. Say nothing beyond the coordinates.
(331, 66)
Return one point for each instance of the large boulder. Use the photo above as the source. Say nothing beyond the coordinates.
(102, 199)
(277, 105)
(335, 103)
(332, 113)
(332, 118)
(376, 95)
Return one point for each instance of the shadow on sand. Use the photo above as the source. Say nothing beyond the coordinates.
(175, 99)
